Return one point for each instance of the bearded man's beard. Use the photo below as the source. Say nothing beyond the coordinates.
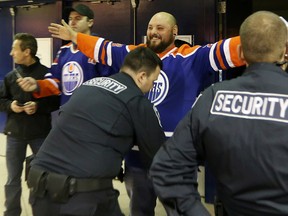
(159, 48)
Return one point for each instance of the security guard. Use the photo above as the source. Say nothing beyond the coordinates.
(72, 174)
(240, 128)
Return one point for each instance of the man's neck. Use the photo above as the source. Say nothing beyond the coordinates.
(30, 61)
(88, 32)
(168, 49)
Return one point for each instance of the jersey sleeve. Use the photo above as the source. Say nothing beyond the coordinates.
(47, 87)
(224, 54)
(50, 85)
(103, 51)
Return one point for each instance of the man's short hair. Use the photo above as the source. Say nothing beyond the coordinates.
(142, 58)
(263, 37)
(28, 41)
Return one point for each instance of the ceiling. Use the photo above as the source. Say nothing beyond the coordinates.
(13, 3)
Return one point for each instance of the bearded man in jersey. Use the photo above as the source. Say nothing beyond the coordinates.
(185, 71)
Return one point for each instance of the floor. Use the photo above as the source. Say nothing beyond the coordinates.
(123, 198)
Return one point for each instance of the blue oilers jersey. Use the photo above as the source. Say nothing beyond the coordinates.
(71, 67)
(184, 74)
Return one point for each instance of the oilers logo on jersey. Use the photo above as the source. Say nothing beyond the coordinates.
(72, 77)
(160, 89)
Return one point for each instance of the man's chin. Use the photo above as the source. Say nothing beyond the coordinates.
(153, 46)
(157, 49)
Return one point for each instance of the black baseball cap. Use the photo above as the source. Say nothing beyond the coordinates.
(83, 10)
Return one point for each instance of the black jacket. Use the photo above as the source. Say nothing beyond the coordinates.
(99, 124)
(240, 128)
(21, 125)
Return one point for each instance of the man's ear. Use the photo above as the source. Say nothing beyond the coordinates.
(241, 54)
(27, 51)
(286, 52)
(90, 23)
(139, 79)
(175, 30)
(141, 76)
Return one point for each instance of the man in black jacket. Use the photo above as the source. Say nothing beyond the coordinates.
(28, 119)
(240, 128)
(105, 117)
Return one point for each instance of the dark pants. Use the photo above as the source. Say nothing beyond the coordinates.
(15, 156)
(140, 191)
(94, 203)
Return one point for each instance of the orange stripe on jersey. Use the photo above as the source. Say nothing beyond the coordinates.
(234, 44)
(86, 48)
(46, 89)
(219, 56)
(131, 47)
(185, 49)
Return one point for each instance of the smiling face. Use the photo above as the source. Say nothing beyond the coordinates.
(80, 23)
(161, 32)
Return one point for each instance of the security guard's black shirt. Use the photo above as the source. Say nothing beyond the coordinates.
(240, 128)
(100, 123)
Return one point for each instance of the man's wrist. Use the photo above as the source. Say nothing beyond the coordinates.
(37, 90)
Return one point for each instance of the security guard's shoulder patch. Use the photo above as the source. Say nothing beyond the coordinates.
(251, 105)
(106, 83)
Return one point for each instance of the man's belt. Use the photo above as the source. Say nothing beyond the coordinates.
(61, 187)
(90, 184)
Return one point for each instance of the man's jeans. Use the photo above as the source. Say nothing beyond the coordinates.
(140, 191)
(15, 156)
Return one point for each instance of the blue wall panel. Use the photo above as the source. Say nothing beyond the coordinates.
(6, 36)
(6, 62)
